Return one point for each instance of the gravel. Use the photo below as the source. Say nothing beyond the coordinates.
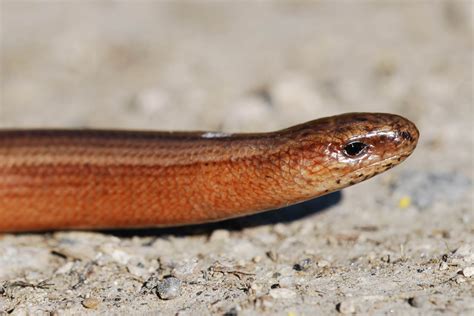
(169, 288)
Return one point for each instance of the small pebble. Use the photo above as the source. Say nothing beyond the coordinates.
(323, 263)
(456, 261)
(286, 270)
(244, 250)
(464, 254)
(443, 266)
(281, 229)
(417, 301)
(66, 268)
(185, 267)
(231, 312)
(460, 279)
(220, 234)
(468, 272)
(385, 258)
(117, 255)
(120, 256)
(137, 270)
(282, 293)
(303, 265)
(272, 255)
(286, 281)
(256, 289)
(169, 288)
(346, 307)
(372, 256)
(91, 302)
(150, 284)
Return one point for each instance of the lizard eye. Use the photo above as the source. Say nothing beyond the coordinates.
(354, 149)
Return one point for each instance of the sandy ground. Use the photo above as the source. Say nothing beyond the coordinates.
(401, 243)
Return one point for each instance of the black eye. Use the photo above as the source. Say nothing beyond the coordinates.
(354, 149)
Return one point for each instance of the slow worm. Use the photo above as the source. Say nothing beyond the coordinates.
(90, 179)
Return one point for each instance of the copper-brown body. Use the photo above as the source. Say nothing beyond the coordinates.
(59, 179)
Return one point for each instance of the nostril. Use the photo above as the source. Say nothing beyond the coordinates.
(406, 135)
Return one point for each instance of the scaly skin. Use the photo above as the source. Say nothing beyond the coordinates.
(63, 179)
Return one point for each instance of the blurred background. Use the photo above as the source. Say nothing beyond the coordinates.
(236, 66)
